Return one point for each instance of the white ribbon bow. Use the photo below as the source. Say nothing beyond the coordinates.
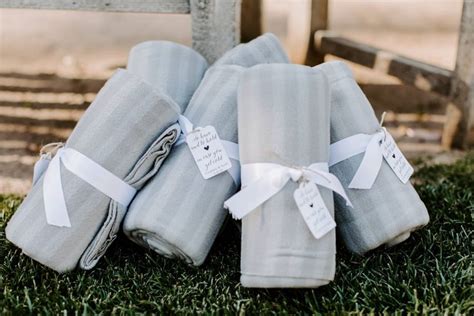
(370, 166)
(263, 180)
(232, 149)
(94, 174)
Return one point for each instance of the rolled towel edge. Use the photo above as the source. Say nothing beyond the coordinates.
(259, 281)
(157, 43)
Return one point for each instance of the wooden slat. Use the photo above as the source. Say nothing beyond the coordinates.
(215, 26)
(459, 129)
(251, 20)
(319, 21)
(143, 6)
(297, 29)
(412, 72)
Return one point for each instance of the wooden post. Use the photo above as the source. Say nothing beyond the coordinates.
(460, 112)
(215, 26)
(319, 21)
(251, 20)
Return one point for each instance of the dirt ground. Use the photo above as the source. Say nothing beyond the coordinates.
(52, 63)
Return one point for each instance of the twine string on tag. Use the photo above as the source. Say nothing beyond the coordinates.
(51, 149)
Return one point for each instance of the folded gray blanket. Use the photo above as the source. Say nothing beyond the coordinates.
(178, 214)
(284, 119)
(129, 129)
(390, 210)
(175, 70)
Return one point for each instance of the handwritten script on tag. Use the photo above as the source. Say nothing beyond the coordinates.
(395, 159)
(314, 211)
(208, 152)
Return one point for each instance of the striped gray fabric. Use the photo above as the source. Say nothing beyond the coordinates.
(175, 70)
(129, 129)
(390, 210)
(265, 49)
(284, 119)
(178, 214)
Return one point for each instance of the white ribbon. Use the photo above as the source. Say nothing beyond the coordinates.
(89, 171)
(40, 167)
(369, 168)
(46, 154)
(232, 149)
(263, 180)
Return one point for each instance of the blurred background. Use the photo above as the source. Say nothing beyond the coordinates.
(53, 62)
(92, 43)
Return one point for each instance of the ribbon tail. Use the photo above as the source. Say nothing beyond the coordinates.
(347, 148)
(332, 183)
(186, 126)
(369, 168)
(40, 168)
(232, 150)
(53, 195)
(254, 194)
(97, 176)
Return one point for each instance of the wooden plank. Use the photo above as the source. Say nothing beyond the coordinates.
(297, 29)
(215, 26)
(459, 131)
(319, 21)
(251, 17)
(143, 6)
(412, 72)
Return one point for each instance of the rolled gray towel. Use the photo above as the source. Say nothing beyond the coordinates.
(265, 49)
(129, 129)
(178, 214)
(175, 70)
(390, 210)
(284, 119)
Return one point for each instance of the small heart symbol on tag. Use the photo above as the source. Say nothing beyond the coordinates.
(393, 156)
(311, 205)
(206, 147)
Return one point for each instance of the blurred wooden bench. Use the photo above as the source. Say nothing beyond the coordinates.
(215, 23)
(216, 27)
(458, 85)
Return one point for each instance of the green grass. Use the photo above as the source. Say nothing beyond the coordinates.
(430, 272)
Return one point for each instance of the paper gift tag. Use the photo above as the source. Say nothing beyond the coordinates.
(314, 211)
(395, 159)
(208, 151)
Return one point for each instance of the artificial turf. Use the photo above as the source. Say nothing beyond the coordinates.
(431, 272)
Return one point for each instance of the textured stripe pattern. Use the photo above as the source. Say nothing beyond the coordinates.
(390, 210)
(284, 119)
(266, 49)
(178, 214)
(127, 131)
(173, 69)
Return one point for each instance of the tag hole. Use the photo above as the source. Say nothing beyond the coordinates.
(311, 205)
(393, 156)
